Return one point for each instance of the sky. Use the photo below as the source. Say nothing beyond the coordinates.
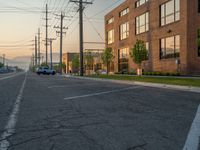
(20, 20)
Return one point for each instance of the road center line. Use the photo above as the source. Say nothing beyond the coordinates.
(10, 127)
(192, 142)
(101, 93)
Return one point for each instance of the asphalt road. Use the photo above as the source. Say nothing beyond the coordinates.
(58, 113)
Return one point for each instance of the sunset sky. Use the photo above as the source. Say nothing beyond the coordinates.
(20, 20)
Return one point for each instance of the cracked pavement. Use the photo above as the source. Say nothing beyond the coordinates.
(141, 118)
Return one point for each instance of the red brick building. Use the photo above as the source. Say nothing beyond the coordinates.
(169, 28)
(67, 59)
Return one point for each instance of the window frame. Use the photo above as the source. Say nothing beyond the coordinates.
(175, 55)
(123, 62)
(163, 19)
(112, 38)
(198, 42)
(122, 32)
(111, 20)
(138, 3)
(146, 24)
(124, 12)
(198, 6)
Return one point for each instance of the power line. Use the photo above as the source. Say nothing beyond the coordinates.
(95, 29)
(100, 12)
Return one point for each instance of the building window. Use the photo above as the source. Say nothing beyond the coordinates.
(170, 12)
(199, 6)
(170, 47)
(124, 12)
(110, 37)
(142, 23)
(111, 20)
(198, 40)
(140, 2)
(124, 31)
(123, 60)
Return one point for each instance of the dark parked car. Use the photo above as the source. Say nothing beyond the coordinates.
(45, 71)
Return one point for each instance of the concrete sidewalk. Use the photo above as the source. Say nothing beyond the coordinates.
(155, 85)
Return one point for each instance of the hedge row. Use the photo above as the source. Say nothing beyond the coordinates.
(151, 73)
(161, 74)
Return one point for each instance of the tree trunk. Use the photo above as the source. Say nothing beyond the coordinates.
(139, 70)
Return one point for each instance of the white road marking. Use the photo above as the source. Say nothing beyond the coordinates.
(101, 93)
(11, 76)
(193, 137)
(10, 127)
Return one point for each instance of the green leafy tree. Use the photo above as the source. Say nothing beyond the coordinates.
(139, 52)
(44, 65)
(1, 65)
(89, 59)
(64, 66)
(57, 67)
(75, 62)
(107, 57)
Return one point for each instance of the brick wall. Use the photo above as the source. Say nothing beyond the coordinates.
(186, 27)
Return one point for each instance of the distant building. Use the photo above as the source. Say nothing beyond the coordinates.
(67, 59)
(93, 60)
(169, 28)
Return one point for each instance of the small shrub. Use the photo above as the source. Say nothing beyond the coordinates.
(160, 73)
(164, 74)
(117, 73)
(132, 73)
(144, 73)
(171, 74)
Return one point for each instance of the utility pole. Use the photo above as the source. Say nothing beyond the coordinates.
(61, 39)
(39, 57)
(46, 34)
(80, 2)
(33, 59)
(51, 55)
(42, 59)
(36, 50)
(4, 59)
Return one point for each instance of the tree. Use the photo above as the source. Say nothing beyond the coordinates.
(44, 65)
(139, 53)
(75, 62)
(89, 60)
(57, 67)
(1, 65)
(64, 67)
(107, 57)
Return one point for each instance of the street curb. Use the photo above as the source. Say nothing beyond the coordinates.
(155, 85)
